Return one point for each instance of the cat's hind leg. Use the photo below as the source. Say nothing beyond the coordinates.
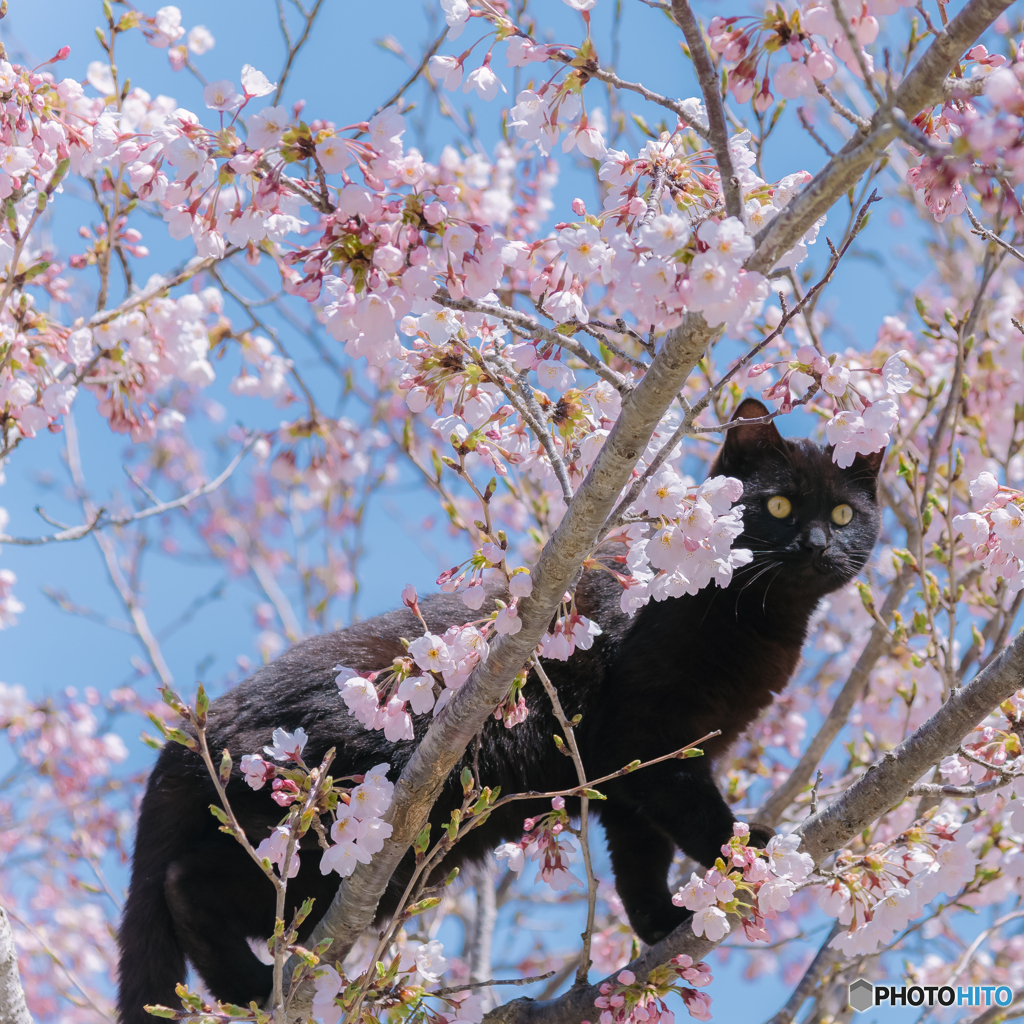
(219, 898)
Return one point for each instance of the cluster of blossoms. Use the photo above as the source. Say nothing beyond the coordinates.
(453, 657)
(402, 983)
(358, 830)
(627, 1001)
(993, 762)
(694, 544)
(810, 42)
(48, 128)
(877, 894)
(861, 430)
(768, 878)
(544, 841)
(67, 819)
(995, 532)
(974, 140)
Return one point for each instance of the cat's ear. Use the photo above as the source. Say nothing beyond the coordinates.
(868, 465)
(864, 467)
(744, 442)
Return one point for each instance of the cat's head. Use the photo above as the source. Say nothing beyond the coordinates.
(809, 523)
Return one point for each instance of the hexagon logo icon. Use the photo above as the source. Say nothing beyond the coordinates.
(861, 995)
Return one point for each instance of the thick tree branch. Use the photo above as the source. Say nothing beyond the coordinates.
(13, 1009)
(888, 781)
(718, 134)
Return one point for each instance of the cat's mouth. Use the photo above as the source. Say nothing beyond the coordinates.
(814, 566)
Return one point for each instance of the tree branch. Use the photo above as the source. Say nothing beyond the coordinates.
(594, 70)
(13, 1009)
(718, 134)
(100, 520)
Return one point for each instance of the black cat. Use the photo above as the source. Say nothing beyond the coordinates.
(677, 671)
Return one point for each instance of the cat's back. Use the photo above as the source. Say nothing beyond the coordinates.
(299, 689)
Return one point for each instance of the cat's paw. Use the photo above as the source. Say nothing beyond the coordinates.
(759, 835)
(653, 924)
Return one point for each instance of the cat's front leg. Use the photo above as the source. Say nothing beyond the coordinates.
(681, 798)
(641, 856)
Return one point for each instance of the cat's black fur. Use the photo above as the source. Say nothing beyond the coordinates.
(678, 670)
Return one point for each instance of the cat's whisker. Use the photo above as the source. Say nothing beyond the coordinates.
(764, 569)
(764, 599)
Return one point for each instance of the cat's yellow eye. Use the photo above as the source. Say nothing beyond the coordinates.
(842, 514)
(779, 506)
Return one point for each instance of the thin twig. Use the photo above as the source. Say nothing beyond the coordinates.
(513, 317)
(858, 52)
(810, 131)
(293, 49)
(99, 520)
(594, 70)
(493, 981)
(855, 119)
(570, 738)
(526, 405)
(397, 95)
(992, 236)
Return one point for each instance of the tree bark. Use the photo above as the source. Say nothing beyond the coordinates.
(13, 1009)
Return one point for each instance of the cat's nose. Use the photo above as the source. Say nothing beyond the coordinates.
(817, 543)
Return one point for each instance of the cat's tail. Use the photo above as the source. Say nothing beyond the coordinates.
(152, 961)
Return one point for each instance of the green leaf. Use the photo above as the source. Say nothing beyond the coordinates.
(177, 736)
(692, 752)
(158, 723)
(161, 1011)
(225, 767)
(219, 813)
(202, 704)
(428, 904)
(422, 840)
(39, 268)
